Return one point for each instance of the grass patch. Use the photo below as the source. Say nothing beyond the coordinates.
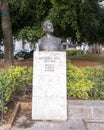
(89, 57)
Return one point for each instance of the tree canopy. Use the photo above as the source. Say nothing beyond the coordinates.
(82, 20)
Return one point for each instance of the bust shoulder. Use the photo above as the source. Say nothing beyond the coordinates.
(57, 39)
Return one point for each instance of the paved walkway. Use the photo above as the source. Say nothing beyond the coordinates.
(91, 111)
(50, 125)
(72, 124)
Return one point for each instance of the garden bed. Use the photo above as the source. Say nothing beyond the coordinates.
(25, 108)
(77, 61)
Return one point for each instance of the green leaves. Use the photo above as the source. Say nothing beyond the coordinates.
(96, 75)
(78, 19)
(85, 83)
(77, 83)
(31, 34)
(11, 80)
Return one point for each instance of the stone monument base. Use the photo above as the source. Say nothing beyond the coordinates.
(49, 100)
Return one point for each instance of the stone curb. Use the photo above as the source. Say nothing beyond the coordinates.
(12, 118)
(94, 121)
(86, 109)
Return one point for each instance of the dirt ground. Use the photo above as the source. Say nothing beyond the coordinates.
(79, 62)
(82, 63)
(26, 62)
(88, 60)
(26, 104)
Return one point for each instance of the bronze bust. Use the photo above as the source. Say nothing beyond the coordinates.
(49, 42)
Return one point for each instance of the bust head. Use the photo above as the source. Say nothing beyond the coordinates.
(49, 42)
(48, 27)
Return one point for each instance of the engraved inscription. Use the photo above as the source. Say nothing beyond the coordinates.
(49, 67)
(49, 62)
(49, 59)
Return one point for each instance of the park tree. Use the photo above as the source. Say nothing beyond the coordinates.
(7, 33)
(101, 27)
(82, 20)
(27, 17)
(0, 33)
(25, 21)
(64, 16)
(62, 13)
(90, 25)
(78, 19)
(89, 22)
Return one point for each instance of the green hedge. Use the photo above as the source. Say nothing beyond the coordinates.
(78, 84)
(82, 83)
(11, 80)
(96, 75)
(85, 83)
(70, 53)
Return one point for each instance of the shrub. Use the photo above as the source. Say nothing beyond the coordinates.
(85, 83)
(12, 80)
(82, 83)
(23, 54)
(28, 55)
(96, 75)
(19, 75)
(78, 85)
(6, 88)
(70, 53)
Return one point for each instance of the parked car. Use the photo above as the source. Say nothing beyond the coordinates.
(23, 54)
(1, 51)
(16, 51)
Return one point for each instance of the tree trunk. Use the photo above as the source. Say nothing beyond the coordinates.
(7, 34)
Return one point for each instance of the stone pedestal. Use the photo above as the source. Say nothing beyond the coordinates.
(49, 99)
